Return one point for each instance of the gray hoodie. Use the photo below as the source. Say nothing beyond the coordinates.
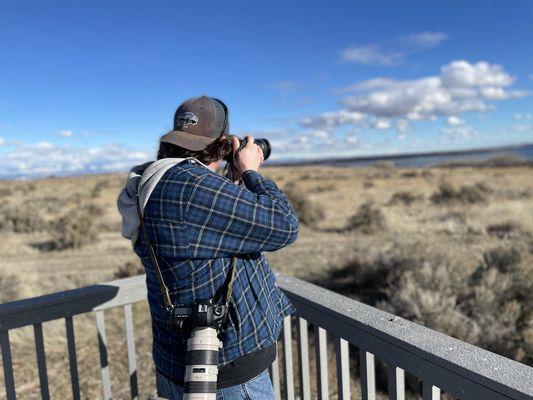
(142, 179)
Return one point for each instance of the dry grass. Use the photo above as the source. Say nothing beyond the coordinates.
(458, 259)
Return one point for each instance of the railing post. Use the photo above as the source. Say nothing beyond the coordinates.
(104, 363)
(7, 362)
(368, 379)
(287, 348)
(430, 392)
(274, 375)
(303, 358)
(343, 369)
(396, 377)
(41, 360)
(72, 358)
(130, 344)
(321, 363)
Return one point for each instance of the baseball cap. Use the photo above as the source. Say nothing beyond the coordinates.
(197, 123)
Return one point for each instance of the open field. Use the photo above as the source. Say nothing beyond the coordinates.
(450, 248)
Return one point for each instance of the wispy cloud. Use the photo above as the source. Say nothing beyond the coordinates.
(285, 87)
(393, 51)
(66, 133)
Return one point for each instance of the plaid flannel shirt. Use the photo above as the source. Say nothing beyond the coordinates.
(197, 220)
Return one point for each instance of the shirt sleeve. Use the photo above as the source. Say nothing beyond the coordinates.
(225, 219)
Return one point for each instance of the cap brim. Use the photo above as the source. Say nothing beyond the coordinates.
(188, 141)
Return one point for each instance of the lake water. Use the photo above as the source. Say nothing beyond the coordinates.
(427, 160)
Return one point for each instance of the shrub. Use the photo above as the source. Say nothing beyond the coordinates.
(327, 187)
(491, 307)
(404, 197)
(131, 268)
(75, 229)
(309, 213)
(5, 192)
(367, 219)
(446, 193)
(9, 287)
(503, 230)
(21, 219)
(410, 174)
(505, 260)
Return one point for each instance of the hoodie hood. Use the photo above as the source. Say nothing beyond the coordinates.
(141, 181)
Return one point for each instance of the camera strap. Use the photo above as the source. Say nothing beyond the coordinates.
(164, 289)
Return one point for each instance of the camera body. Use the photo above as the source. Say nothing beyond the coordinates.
(203, 314)
(263, 144)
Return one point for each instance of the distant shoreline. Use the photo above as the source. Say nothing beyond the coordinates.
(524, 151)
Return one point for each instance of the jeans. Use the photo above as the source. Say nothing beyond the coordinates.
(258, 388)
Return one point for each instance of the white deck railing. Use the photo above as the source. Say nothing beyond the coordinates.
(441, 362)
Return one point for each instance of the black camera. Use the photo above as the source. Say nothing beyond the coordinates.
(203, 314)
(263, 144)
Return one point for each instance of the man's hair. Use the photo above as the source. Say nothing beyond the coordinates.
(217, 150)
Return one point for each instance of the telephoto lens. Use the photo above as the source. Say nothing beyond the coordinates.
(201, 371)
(263, 145)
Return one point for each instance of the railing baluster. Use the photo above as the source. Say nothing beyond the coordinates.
(9, 379)
(343, 369)
(41, 360)
(368, 379)
(130, 344)
(102, 345)
(303, 358)
(321, 363)
(274, 375)
(396, 377)
(287, 348)
(72, 358)
(430, 392)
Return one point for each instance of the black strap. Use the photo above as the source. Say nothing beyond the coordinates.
(164, 289)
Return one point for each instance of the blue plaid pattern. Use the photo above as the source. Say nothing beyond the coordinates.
(197, 220)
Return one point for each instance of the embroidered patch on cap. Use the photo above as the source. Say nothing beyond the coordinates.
(187, 118)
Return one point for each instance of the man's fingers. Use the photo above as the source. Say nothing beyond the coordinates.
(235, 143)
(250, 141)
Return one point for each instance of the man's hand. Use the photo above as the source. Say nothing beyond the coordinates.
(250, 157)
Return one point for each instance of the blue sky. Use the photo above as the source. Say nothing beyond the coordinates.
(91, 86)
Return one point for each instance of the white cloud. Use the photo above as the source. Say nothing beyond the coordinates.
(393, 51)
(43, 145)
(44, 159)
(461, 73)
(330, 120)
(459, 133)
(453, 120)
(381, 123)
(2, 141)
(461, 87)
(371, 54)
(66, 133)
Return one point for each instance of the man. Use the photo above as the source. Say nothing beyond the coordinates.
(197, 220)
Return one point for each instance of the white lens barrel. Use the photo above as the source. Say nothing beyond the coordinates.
(201, 371)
